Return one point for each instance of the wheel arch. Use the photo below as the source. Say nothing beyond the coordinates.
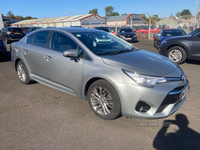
(16, 61)
(180, 45)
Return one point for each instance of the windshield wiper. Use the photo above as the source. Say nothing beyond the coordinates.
(121, 51)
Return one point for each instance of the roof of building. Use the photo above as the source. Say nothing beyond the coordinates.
(57, 19)
(112, 18)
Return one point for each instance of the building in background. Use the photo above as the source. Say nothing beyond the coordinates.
(88, 21)
(9, 20)
(126, 20)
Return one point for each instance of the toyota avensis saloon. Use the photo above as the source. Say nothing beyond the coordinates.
(113, 76)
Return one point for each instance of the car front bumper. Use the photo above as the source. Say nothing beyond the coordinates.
(164, 99)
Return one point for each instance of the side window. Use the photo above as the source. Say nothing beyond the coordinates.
(30, 39)
(198, 35)
(40, 38)
(61, 42)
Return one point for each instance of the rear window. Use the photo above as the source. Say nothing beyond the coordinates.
(15, 29)
(173, 33)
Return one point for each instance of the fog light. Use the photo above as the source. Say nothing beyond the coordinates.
(142, 107)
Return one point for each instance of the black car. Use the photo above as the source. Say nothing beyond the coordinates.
(3, 51)
(195, 31)
(10, 34)
(127, 34)
(106, 29)
(33, 29)
(181, 48)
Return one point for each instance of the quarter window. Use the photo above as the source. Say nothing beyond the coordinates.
(30, 39)
(40, 38)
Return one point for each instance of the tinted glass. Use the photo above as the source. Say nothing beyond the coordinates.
(102, 43)
(40, 38)
(61, 42)
(30, 39)
(126, 30)
(18, 30)
(173, 33)
(103, 29)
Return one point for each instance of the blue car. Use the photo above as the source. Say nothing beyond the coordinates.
(166, 34)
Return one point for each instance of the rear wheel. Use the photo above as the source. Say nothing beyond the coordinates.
(104, 100)
(22, 73)
(177, 54)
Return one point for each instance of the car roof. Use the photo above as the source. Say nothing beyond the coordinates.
(172, 29)
(71, 29)
(125, 28)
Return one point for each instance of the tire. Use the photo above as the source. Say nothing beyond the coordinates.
(177, 54)
(22, 73)
(106, 109)
(6, 40)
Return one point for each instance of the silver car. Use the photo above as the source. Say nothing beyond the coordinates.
(113, 76)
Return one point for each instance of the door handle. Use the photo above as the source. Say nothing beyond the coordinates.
(25, 52)
(48, 58)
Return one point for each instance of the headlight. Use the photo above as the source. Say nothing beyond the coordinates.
(121, 36)
(135, 35)
(163, 42)
(147, 81)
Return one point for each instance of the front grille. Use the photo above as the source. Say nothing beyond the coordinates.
(128, 36)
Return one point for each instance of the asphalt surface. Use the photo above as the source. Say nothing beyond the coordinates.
(38, 117)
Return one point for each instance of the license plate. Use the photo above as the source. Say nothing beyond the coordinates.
(16, 33)
(128, 38)
(184, 93)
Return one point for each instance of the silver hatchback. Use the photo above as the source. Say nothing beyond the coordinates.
(113, 76)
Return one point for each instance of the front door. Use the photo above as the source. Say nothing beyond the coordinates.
(63, 70)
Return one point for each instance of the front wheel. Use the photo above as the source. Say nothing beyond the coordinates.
(22, 73)
(177, 54)
(104, 100)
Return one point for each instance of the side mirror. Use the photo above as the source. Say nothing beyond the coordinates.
(72, 53)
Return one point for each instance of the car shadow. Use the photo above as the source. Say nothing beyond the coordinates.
(184, 139)
(193, 61)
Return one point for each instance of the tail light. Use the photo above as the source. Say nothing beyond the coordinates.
(10, 47)
(9, 32)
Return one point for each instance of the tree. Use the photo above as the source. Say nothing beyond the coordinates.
(155, 18)
(185, 12)
(93, 11)
(109, 10)
(114, 14)
(10, 14)
(144, 16)
(178, 14)
(124, 14)
(29, 17)
(19, 17)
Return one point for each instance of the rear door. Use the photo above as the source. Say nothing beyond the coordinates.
(63, 70)
(195, 53)
(33, 52)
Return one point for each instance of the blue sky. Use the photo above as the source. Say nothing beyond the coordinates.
(58, 8)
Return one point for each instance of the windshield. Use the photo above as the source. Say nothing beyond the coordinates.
(102, 43)
(174, 33)
(104, 29)
(126, 30)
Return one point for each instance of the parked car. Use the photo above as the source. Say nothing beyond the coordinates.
(181, 48)
(103, 28)
(113, 76)
(184, 27)
(127, 34)
(195, 31)
(33, 29)
(10, 34)
(3, 50)
(179, 27)
(25, 29)
(166, 34)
